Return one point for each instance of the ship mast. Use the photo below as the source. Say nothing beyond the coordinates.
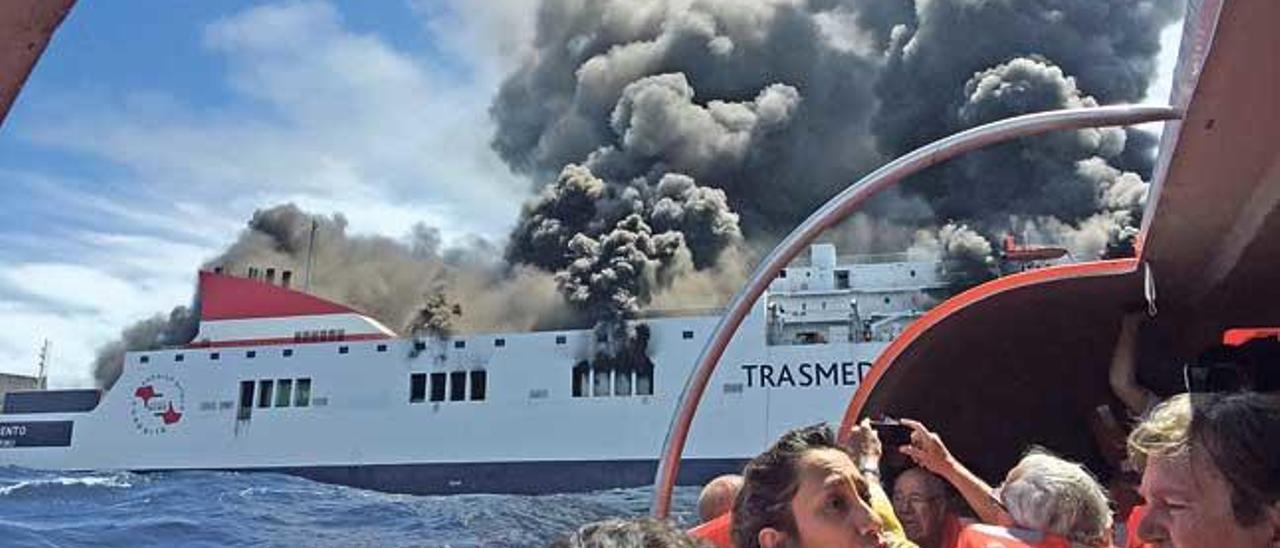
(42, 374)
(311, 242)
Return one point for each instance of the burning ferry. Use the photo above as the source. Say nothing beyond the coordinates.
(280, 380)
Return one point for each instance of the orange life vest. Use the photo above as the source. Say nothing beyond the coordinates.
(981, 535)
(1131, 539)
(716, 531)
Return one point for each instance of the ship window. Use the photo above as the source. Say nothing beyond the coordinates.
(246, 400)
(561, 339)
(419, 346)
(343, 349)
(264, 393)
(499, 342)
(214, 356)
(687, 335)
(602, 381)
(287, 352)
(457, 386)
(581, 378)
(886, 300)
(177, 357)
(602, 337)
(251, 354)
(842, 279)
(382, 348)
(644, 381)
(417, 387)
(459, 344)
(913, 273)
(437, 386)
(622, 383)
(284, 392)
(478, 380)
(302, 396)
(782, 274)
(144, 359)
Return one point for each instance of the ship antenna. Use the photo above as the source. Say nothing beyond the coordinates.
(43, 375)
(311, 242)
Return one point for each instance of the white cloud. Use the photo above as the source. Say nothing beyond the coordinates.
(323, 112)
(1161, 88)
(315, 113)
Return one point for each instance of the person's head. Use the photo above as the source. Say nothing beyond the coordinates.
(1051, 495)
(1211, 470)
(716, 498)
(920, 501)
(804, 491)
(626, 533)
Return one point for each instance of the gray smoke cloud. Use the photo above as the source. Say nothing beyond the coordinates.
(402, 283)
(965, 254)
(780, 103)
(737, 95)
(159, 331)
(613, 246)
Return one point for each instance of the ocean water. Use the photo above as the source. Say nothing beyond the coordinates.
(236, 509)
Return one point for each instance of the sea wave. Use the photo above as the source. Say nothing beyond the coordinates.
(261, 509)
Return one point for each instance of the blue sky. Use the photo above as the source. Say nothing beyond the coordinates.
(150, 131)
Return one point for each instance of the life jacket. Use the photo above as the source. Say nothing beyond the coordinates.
(981, 535)
(716, 531)
(1131, 539)
(951, 528)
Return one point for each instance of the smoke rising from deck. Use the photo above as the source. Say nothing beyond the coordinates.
(391, 280)
(781, 103)
(667, 142)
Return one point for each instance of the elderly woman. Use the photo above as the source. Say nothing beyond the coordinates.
(808, 491)
(1056, 500)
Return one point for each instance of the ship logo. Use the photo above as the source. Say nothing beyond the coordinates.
(157, 404)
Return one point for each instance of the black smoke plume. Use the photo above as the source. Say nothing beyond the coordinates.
(779, 104)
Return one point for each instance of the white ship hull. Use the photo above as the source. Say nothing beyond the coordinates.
(365, 424)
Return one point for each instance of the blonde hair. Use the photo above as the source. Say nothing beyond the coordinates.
(1164, 432)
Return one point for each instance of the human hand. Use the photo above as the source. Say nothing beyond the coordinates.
(927, 449)
(864, 444)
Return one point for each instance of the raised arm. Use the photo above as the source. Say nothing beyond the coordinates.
(1124, 379)
(928, 451)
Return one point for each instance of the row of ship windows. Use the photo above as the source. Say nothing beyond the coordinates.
(455, 384)
(274, 392)
(560, 339)
(608, 382)
(288, 352)
(251, 354)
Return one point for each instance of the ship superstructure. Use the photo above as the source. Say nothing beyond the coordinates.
(281, 380)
